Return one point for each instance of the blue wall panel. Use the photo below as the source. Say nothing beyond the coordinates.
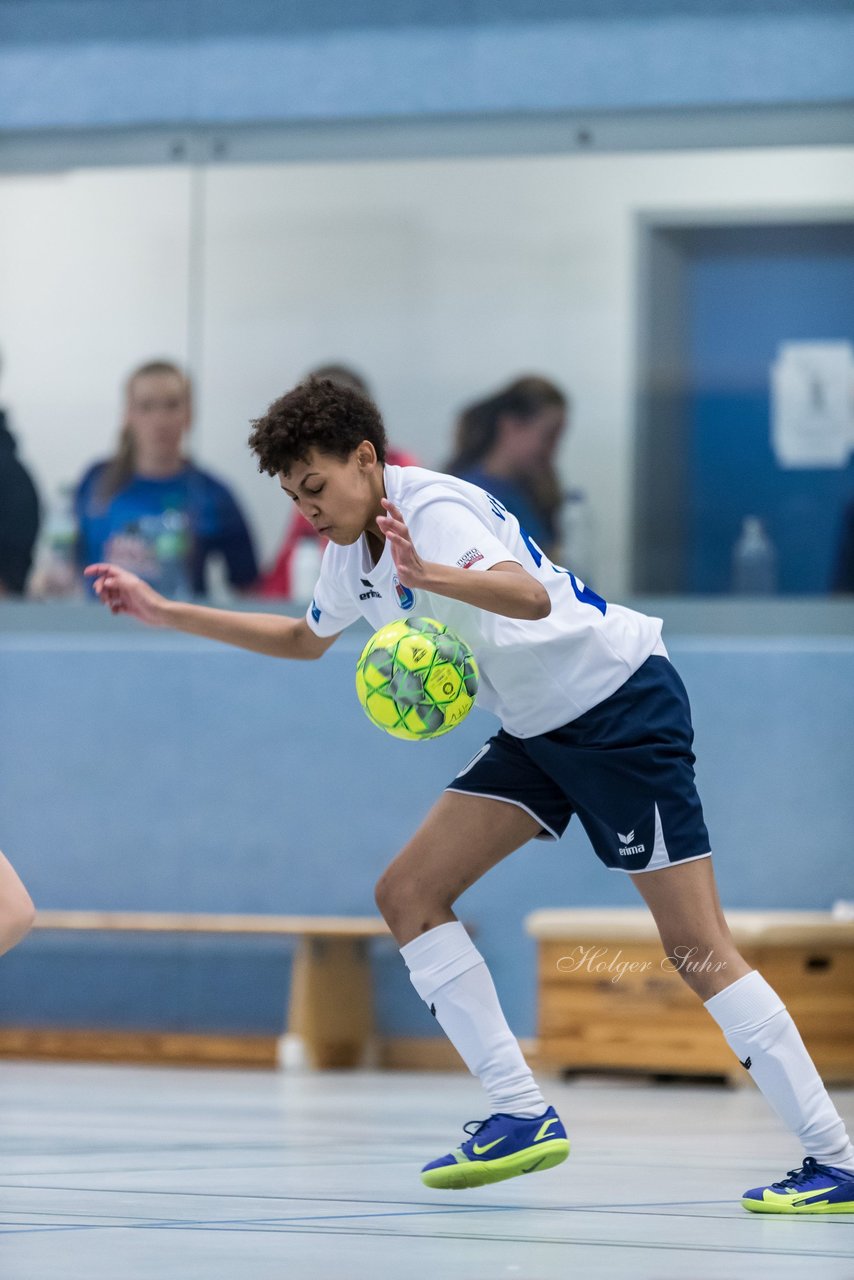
(147, 774)
(89, 64)
(748, 290)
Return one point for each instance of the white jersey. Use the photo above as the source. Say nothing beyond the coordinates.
(535, 675)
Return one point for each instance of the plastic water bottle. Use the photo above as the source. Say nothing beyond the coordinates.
(754, 561)
(172, 548)
(305, 569)
(576, 534)
(57, 574)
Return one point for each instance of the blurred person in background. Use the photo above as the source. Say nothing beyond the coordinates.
(506, 444)
(843, 573)
(150, 508)
(19, 516)
(285, 579)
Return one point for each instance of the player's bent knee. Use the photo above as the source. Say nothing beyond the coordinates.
(407, 906)
(389, 895)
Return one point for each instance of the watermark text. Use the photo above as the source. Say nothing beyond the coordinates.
(602, 962)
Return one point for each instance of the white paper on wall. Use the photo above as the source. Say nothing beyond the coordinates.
(812, 404)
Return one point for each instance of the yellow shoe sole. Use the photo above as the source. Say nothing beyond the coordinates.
(479, 1173)
(780, 1206)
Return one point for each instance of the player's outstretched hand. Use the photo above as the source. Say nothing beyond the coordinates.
(411, 569)
(123, 592)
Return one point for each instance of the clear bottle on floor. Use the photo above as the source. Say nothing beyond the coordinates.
(57, 574)
(754, 561)
(172, 549)
(575, 534)
(305, 569)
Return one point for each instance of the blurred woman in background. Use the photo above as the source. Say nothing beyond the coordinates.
(507, 443)
(149, 507)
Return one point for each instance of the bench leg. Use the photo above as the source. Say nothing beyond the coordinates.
(331, 1006)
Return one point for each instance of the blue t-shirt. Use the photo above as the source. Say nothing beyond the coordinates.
(191, 507)
(511, 494)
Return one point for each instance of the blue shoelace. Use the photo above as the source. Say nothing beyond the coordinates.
(808, 1170)
(478, 1125)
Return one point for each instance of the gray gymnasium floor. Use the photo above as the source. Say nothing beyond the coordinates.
(117, 1173)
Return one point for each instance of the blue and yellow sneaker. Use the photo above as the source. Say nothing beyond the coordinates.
(814, 1188)
(500, 1147)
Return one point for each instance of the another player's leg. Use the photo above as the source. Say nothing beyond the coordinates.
(462, 837)
(16, 908)
(683, 899)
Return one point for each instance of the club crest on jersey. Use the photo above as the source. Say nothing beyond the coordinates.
(405, 597)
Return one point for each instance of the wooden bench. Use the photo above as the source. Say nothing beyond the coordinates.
(330, 1018)
(608, 998)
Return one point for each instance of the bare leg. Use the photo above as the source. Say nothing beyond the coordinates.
(17, 912)
(687, 911)
(461, 838)
(755, 1022)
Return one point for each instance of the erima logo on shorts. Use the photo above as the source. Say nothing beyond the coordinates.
(471, 557)
(630, 849)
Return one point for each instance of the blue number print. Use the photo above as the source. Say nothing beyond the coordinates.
(536, 553)
(585, 594)
(582, 593)
(498, 507)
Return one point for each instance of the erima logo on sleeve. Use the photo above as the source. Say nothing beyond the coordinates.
(315, 612)
(471, 557)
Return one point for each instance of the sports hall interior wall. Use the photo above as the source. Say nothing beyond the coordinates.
(90, 64)
(148, 772)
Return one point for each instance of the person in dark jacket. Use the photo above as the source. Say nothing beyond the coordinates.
(843, 573)
(19, 516)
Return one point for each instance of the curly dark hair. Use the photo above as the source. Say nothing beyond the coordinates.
(318, 414)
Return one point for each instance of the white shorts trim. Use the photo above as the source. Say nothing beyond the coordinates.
(626, 871)
(552, 835)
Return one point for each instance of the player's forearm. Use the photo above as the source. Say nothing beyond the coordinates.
(266, 633)
(513, 595)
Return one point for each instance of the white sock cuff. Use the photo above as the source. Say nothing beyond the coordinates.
(438, 956)
(747, 1003)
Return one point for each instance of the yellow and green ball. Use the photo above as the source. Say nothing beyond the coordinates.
(416, 679)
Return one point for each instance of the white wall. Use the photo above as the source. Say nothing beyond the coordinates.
(93, 279)
(437, 278)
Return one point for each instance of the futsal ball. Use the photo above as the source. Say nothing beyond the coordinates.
(416, 679)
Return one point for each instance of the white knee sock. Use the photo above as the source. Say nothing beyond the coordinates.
(759, 1029)
(452, 979)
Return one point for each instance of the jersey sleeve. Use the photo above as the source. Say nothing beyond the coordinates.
(451, 533)
(331, 608)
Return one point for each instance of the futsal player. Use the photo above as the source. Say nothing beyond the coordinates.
(594, 721)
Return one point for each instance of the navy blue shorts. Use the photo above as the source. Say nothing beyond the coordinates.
(625, 767)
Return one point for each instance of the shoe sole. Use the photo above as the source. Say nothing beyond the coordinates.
(765, 1206)
(479, 1173)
